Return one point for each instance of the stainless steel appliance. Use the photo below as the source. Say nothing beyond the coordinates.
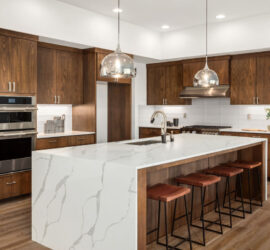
(203, 129)
(18, 116)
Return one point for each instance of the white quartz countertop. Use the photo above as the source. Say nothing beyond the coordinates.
(239, 130)
(185, 146)
(66, 133)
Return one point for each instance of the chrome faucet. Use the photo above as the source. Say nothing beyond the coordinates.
(163, 124)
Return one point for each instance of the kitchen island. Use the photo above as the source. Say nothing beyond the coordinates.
(94, 196)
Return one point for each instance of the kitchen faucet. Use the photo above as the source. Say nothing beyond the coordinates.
(163, 124)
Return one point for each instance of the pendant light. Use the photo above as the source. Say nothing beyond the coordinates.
(206, 77)
(117, 64)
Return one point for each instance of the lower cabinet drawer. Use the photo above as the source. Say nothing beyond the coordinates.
(54, 142)
(65, 141)
(16, 184)
(81, 140)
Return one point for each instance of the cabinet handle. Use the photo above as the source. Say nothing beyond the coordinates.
(9, 87)
(254, 100)
(52, 141)
(55, 99)
(9, 183)
(14, 86)
(257, 100)
(59, 99)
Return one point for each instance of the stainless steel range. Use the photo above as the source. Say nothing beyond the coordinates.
(18, 119)
(203, 129)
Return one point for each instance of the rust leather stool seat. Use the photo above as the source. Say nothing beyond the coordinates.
(228, 173)
(198, 180)
(202, 181)
(249, 166)
(167, 193)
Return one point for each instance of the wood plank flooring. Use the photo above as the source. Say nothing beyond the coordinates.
(251, 233)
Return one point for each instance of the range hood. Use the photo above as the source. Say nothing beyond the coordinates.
(206, 92)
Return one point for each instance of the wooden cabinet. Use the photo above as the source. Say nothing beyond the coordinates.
(15, 184)
(18, 63)
(100, 54)
(164, 84)
(146, 132)
(243, 79)
(64, 141)
(221, 65)
(250, 79)
(260, 135)
(60, 75)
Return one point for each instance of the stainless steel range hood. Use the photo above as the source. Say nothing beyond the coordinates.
(203, 92)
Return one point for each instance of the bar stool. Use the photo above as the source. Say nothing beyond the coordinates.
(202, 181)
(228, 173)
(167, 193)
(248, 166)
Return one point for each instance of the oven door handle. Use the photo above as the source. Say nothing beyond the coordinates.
(14, 109)
(18, 134)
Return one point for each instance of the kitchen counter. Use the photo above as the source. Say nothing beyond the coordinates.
(66, 133)
(239, 130)
(90, 192)
(158, 126)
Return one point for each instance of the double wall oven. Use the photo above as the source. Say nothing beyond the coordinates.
(18, 119)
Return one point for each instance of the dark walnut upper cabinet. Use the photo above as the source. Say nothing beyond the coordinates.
(100, 54)
(164, 84)
(221, 65)
(60, 75)
(18, 63)
(250, 79)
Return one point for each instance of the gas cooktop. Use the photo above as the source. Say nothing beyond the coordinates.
(203, 129)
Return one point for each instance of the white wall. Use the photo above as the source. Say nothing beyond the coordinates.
(138, 96)
(249, 34)
(57, 20)
(102, 112)
(48, 111)
(217, 111)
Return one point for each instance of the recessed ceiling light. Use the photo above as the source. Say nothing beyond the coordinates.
(116, 10)
(165, 27)
(220, 16)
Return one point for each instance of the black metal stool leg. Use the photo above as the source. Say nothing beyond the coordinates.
(202, 215)
(249, 192)
(219, 213)
(241, 192)
(230, 205)
(225, 193)
(158, 222)
(174, 212)
(166, 225)
(189, 235)
(191, 209)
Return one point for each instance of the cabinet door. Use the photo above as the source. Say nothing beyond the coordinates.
(46, 83)
(263, 79)
(220, 65)
(99, 58)
(21, 183)
(174, 85)
(243, 79)
(69, 77)
(149, 132)
(155, 85)
(5, 186)
(5, 72)
(24, 66)
(54, 142)
(81, 140)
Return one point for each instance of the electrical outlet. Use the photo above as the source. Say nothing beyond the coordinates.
(249, 116)
(185, 115)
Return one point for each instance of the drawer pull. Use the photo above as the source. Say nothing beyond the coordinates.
(52, 141)
(11, 183)
(81, 139)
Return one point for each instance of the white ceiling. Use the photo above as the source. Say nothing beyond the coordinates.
(178, 14)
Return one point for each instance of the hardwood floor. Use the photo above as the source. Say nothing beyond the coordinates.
(251, 233)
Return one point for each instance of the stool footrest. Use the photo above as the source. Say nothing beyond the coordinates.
(186, 239)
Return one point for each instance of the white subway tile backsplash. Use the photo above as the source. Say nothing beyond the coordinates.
(216, 111)
(48, 111)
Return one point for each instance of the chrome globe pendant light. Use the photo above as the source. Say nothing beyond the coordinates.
(117, 64)
(206, 77)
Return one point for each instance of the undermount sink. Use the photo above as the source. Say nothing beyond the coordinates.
(144, 143)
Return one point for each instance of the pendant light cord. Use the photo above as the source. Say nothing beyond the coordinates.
(118, 17)
(206, 31)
